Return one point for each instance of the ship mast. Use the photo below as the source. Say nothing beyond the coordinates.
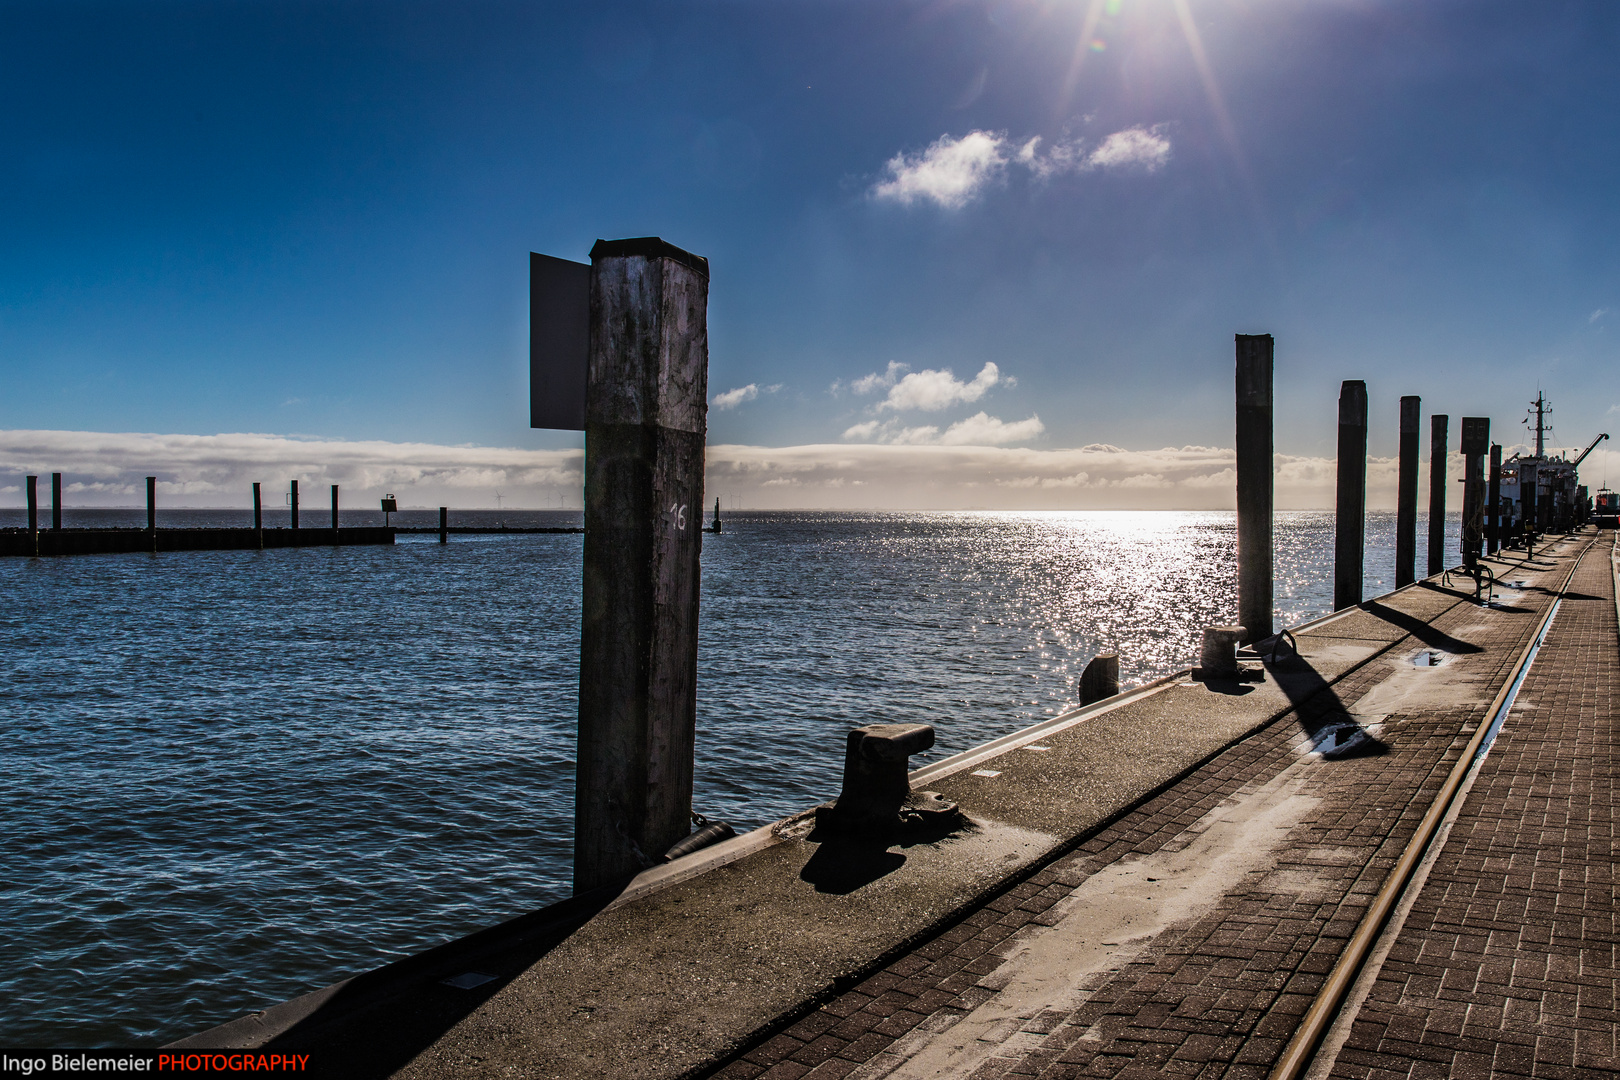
(1540, 405)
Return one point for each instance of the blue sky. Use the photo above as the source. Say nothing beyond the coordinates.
(311, 221)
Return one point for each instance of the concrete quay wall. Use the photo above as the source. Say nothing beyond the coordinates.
(692, 962)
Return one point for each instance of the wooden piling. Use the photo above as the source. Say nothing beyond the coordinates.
(151, 510)
(33, 513)
(444, 524)
(645, 424)
(258, 517)
(1475, 439)
(56, 502)
(334, 513)
(1406, 493)
(293, 503)
(1493, 502)
(1437, 492)
(1350, 518)
(1254, 483)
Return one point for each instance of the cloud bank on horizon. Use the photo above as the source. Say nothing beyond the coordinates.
(109, 469)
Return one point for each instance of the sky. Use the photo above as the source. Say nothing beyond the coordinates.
(963, 253)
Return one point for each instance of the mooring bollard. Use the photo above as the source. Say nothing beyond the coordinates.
(56, 502)
(1350, 513)
(876, 797)
(1254, 482)
(1100, 679)
(1438, 459)
(33, 514)
(1407, 492)
(1493, 502)
(646, 418)
(1217, 658)
(292, 503)
(444, 524)
(258, 517)
(1476, 438)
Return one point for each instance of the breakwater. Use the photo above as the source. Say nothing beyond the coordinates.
(47, 542)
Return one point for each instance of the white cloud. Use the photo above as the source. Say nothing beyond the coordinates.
(868, 383)
(949, 173)
(1598, 314)
(1137, 147)
(733, 398)
(984, 430)
(931, 390)
(954, 171)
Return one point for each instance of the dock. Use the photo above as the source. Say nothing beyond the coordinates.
(44, 542)
(1165, 882)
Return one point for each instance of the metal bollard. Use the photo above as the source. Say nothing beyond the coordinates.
(877, 799)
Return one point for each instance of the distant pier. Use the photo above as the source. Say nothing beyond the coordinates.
(52, 542)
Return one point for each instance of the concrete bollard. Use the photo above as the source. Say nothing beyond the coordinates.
(646, 419)
(1217, 658)
(1350, 514)
(292, 503)
(1493, 502)
(876, 795)
(1254, 482)
(258, 517)
(1100, 679)
(444, 524)
(1407, 492)
(56, 502)
(1438, 458)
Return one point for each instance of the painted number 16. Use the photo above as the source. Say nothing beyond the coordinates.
(677, 515)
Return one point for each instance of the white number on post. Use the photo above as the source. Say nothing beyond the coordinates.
(677, 515)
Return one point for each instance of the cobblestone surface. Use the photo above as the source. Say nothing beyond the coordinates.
(1219, 995)
(1506, 965)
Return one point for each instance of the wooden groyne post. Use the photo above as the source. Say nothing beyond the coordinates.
(292, 502)
(258, 516)
(1351, 508)
(56, 502)
(1493, 502)
(1476, 438)
(335, 538)
(444, 524)
(1254, 483)
(1437, 492)
(33, 514)
(646, 417)
(151, 510)
(1406, 493)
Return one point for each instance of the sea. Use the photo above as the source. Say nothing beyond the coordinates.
(228, 778)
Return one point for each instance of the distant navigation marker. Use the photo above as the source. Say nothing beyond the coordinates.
(559, 340)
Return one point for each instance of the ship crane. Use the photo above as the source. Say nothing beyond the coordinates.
(1577, 462)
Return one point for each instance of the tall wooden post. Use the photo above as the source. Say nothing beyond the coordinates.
(258, 516)
(1438, 458)
(1254, 483)
(334, 514)
(1493, 502)
(33, 513)
(293, 504)
(1406, 493)
(444, 524)
(1474, 441)
(151, 509)
(646, 417)
(56, 502)
(1351, 513)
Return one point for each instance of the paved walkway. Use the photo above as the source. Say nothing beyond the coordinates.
(1506, 965)
(1188, 937)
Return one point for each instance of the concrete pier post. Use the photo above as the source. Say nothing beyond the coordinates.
(1351, 509)
(1406, 493)
(1493, 502)
(1438, 457)
(293, 504)
(32, 485)
(151, 509)
(1254, 483)
(56, 502)
(258, 516)
(646, 417)
(444, 524)
(1474, 441)
(334, 513)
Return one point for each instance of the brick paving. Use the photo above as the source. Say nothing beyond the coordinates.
(1506, 965)
(1219, 995)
